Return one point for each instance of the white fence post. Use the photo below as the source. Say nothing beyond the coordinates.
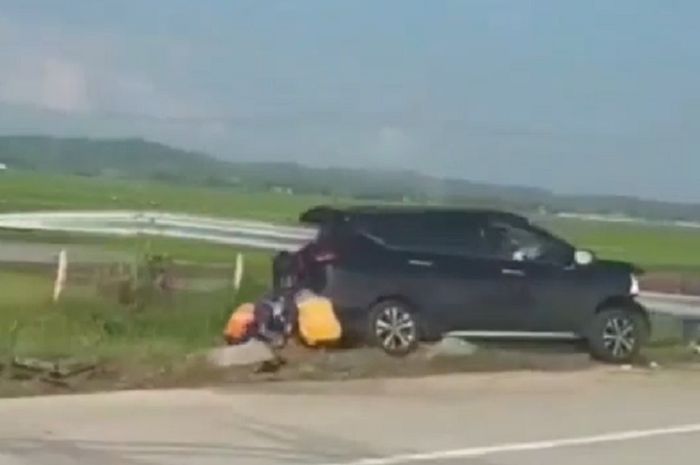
(61, 275)
(238, 272)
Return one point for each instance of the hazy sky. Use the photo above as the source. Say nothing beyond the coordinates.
(595, 96)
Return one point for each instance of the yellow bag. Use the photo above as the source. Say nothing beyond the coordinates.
(239, 323)
(317, 321)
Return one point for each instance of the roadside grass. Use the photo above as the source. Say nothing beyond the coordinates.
(182, 250)
(85, 323)
(202, 253)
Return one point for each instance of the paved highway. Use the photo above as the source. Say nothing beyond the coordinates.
(600, 416)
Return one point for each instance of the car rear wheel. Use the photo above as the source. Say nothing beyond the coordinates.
(394, 328)
(617, 335)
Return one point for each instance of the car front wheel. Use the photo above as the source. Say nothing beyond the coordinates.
(393, 327)
(617, 335)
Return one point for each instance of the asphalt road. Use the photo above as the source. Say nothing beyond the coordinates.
(601, 416)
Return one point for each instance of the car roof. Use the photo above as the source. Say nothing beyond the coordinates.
(326, 214)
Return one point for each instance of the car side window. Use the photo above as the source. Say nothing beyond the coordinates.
(431, 235)
(522, 243)
(456, 239)
(394, 231)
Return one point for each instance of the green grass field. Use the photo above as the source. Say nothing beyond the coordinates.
(83, 323)
(655, 248)
(29, 191)
(86, 322)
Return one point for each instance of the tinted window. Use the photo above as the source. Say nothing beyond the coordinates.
(332, 230)
(526, 243)
(425, 233)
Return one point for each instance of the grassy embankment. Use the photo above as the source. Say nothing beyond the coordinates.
(129, 343)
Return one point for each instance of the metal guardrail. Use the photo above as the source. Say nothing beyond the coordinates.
(674, 304)
(253, 234)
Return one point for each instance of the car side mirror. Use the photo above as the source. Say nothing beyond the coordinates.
(584, 257)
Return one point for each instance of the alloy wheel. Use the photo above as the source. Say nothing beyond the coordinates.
(395, 329)
(619, 336)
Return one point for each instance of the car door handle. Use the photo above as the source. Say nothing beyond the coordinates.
(512, 272)
(424, 263)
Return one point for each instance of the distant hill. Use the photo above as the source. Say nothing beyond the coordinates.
(140, 159)
(127, 158)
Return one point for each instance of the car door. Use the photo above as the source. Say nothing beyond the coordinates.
(473, 291)
(407, 268)
(449, 274)
(553, 290)
(479, 294)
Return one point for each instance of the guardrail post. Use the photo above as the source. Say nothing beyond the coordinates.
(61, 275)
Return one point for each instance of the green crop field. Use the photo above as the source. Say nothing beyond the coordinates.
(30, 191)
(656, 248)
(653, 247)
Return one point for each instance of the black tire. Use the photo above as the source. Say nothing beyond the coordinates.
(616, 335)
(394, 327)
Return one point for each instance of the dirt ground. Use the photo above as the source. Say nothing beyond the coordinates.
(305, 364)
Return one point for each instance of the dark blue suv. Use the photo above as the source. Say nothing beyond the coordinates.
(397, 276)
